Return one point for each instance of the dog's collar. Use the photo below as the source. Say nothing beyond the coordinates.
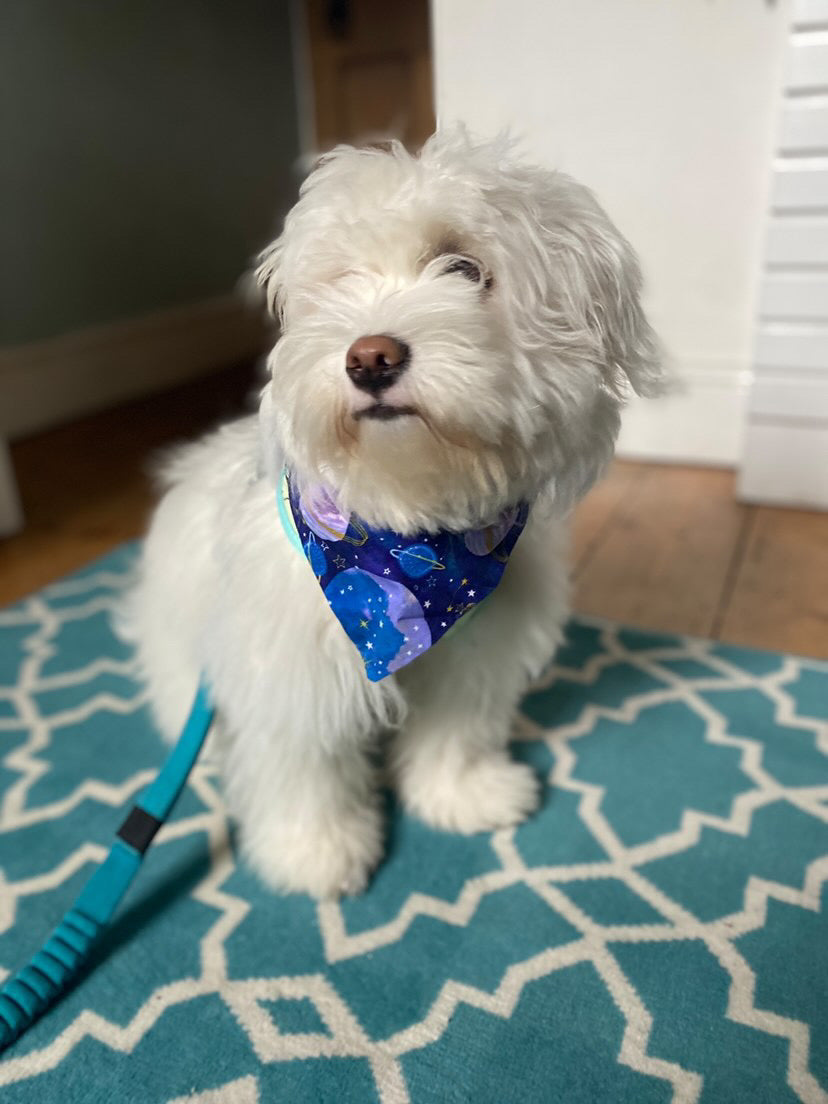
(395, 596)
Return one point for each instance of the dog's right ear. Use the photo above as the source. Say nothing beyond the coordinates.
(268, 277)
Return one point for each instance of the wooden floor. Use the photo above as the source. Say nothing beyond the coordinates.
(660, 547)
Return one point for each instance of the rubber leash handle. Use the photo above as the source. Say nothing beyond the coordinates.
(32, 990)
(28, 993)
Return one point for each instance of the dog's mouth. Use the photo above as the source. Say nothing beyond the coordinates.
(381, 412)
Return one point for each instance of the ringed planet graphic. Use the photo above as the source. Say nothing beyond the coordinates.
(324, 518)
(417, 560)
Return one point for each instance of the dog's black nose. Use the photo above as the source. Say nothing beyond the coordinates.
(375, 362)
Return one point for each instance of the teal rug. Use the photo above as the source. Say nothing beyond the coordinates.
(658, 932)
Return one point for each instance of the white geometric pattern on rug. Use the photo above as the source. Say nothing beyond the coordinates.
(108, 690)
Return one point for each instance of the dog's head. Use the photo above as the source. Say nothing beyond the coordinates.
(458, 333)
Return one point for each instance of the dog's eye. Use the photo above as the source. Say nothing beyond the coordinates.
(469, 269)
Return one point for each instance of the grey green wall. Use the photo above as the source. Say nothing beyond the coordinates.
(147, 152)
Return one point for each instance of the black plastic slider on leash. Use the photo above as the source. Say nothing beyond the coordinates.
(139, 828)
(26, 995)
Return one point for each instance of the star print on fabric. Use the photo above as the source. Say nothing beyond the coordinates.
(389, 592)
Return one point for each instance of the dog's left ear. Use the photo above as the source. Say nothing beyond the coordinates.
(268, 277)
(600, 281)
(631, 347)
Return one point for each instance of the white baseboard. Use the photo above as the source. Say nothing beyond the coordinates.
(48, 382)
(701, 424)
(786, 465)
(786, 442)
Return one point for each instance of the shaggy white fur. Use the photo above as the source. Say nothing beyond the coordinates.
(519, 303)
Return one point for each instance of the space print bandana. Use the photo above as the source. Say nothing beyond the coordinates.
(396, 596)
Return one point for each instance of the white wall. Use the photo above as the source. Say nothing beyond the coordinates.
(667, 109)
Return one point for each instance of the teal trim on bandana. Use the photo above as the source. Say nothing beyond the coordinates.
(288, 524)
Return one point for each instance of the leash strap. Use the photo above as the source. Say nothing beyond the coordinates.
(26, 995)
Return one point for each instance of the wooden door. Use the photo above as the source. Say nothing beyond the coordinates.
(370, 70)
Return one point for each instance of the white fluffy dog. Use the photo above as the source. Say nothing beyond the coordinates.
(514, 306)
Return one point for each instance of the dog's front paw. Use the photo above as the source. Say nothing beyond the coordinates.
(490, 792)
(325, 858)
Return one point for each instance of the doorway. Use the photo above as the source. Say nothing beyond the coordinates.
(369, 71)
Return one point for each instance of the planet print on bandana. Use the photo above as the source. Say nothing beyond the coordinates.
(315, 555)
(417, 560)
(396, 596)
(382, 617)
(324, 518)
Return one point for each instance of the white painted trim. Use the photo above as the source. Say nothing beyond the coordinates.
(786, 464)
(702, 423)
(11, 515)
(807, 67)
(810, 11)
(789, 395)
(794, 295)
(796, 240)
(47, 382)
(800, 183)
(792, 345)
(805, 125)
(785, 456)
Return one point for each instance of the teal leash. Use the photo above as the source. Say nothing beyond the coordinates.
(26, 995)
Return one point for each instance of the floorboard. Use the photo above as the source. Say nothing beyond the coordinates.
(780, 590)
(87, 486)
(601, 508)
(663, 561)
